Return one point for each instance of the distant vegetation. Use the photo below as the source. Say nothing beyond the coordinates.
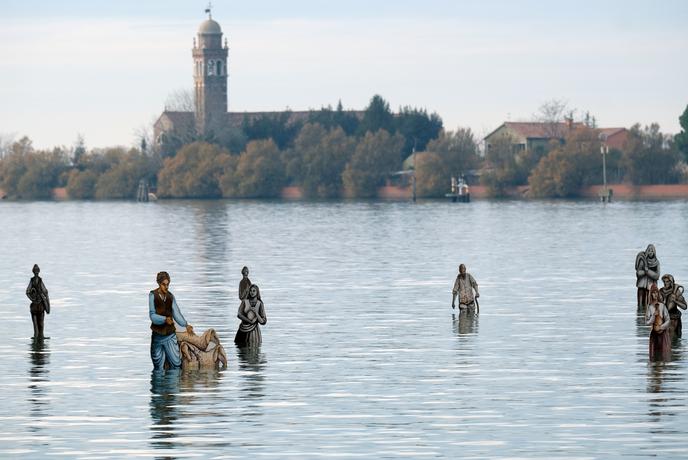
(336, 153)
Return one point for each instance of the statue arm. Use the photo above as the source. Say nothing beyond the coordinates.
(474, 284)
(679, 299)
(177, 313)
(28, 291)
(154, 317)
(653, 274)
(650, 315)
(262, 318)
(240, 313)
(666, 317)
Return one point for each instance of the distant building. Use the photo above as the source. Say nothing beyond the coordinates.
(210, 74)
(536, 136)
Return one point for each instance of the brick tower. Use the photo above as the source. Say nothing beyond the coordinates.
(210, 76)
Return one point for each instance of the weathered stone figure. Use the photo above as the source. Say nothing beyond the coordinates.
(251, 313)
(463, 288)
(646, 272)
(244, 284)
(201, 351)
(164, 311)
(657, 316)
(672, 297)
(40, 302)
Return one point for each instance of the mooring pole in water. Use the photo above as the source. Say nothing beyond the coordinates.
(413, 178)
(604, 149)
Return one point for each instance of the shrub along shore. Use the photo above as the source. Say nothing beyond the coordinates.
(333, 154)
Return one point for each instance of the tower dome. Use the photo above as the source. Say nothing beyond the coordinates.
(209, 27)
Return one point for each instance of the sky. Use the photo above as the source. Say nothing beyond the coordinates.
(103, 69)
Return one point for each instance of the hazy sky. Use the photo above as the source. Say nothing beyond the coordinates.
(104, 68)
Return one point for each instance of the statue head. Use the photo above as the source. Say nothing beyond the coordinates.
(650, 251)
(244, 271)
(668, 281)
(654, 293)
(163, 279)
(254, 292)
(36, 269)
(462, 269)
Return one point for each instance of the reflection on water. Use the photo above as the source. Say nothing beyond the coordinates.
(39, 377)
(251, 364)
(164, 407)
(362, 357)
(466, 323)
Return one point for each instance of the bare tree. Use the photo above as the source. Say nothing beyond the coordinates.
(180, 100)
(6, 141)
(553, 114)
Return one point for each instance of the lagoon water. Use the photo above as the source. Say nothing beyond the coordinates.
(363, 356)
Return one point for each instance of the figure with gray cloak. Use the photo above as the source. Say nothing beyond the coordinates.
(251, 313)
(646, 272)
(40, 302)
(672, 296)
(464, 286)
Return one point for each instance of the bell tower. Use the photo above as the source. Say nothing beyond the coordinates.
(210, 75)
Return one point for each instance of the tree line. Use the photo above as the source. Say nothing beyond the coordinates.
(334, 153)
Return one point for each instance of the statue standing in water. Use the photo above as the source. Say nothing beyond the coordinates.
(40, 303)
(463, 287)
(657, 316)
(251, 313)
(244, 284)
(646, 272)
(672, 296)
(164, 311)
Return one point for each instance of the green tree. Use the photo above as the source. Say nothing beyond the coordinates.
(681, 139)
(375, 157)
(432, 177)
(194, 172)
(324, 163)
(338, 118)
(650, 158)
(377, 116)
(127, 168)
(280, 127)
(569, 167)
(81, 185)
(458, 150)
(417, 127)
(259, 172)
(29, 174)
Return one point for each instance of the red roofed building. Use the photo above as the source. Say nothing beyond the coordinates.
(536, 136)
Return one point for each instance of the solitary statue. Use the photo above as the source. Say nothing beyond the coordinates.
(40, 302)
(646, 272)
(463, 287)
(672, 296)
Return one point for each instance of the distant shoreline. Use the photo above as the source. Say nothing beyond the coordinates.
(622, 192)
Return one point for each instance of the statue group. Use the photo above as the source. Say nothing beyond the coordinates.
(174, 349)
(661, 306)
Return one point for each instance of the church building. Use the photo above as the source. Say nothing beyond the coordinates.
(210, 73)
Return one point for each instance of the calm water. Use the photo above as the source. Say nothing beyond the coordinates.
(362, 357)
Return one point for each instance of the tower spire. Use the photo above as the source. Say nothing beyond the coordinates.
(209, 10)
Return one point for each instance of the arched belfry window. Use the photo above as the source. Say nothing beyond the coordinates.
(219, 67)
(211, 67)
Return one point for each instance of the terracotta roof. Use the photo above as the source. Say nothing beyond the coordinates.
(611, 131)
(539, 130)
